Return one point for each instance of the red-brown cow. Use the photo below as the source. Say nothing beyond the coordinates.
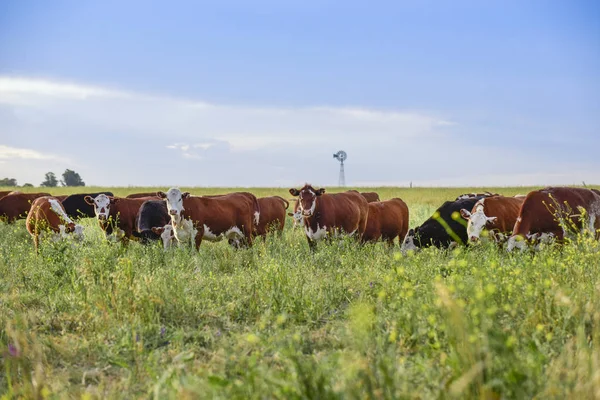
(231, 216)
(496, 214)
(47, 214)
(387, 220)
(16, 206)
(370, 196)
(553, 212)
(272, 214)
(139, 195)
(116, 212)
(327, 214)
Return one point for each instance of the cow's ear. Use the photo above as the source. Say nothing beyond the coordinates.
(290, 214)
(185, 195)
(294, 192)
(491, 219)
(70, 227)
(161, 195)
(465, 213)
(114, 200)
(89, 200)
(320, 191)
(411, 232)
(157, 230)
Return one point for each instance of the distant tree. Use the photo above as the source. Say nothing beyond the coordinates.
(50, 180)
(27, 185)
(71, 178)
(8, 182)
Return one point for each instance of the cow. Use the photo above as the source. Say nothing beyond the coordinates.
(473, 195)
(496, 214)
(16, 206)
(138, 195)
(48, 214)
(272, 214)
(555, 211)
(152, 214)
(76, 206)
(444, 228)
(116, 212)
(328, 214)
(231, 216)
(297, 214)
(370, 196)
(166, 234)
(386, 221)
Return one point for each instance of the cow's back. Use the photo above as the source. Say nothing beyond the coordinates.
(386, 220)
(220, 213)
(41, 216)
(542, 209)
(272, 214)
(505, 209)
(15, 206)
(347, 211)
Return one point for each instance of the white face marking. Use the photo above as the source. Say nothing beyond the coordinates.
(58, 210)
(316, 235)
(516, 242)
(185, 232)
(78, 232)
(174, 201)
(408, 243)
(310, 211)
(102, 206)
(167, 236)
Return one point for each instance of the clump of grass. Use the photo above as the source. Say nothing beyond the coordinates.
(279, 321)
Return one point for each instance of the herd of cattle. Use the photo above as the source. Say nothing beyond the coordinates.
(544, 215)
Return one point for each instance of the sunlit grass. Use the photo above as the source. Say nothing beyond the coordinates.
(277, 321)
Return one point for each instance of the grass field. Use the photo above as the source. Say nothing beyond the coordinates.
(277, 321)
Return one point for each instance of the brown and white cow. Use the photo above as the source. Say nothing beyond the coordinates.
(47, 214)
(297, 214)
(16, 206)
(139, 195)
(272, 214)
(116, 212)
(328, 214)
(553, 212)
(495, 214)
(387, 220)
(231, 216)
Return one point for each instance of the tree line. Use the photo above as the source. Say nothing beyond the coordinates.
(69, 178)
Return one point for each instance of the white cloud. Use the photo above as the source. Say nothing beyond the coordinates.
(8, 153)
(116, 137)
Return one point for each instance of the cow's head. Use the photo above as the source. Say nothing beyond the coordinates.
(78, 232)
(516, 242)
(409, 242)
(166, 235)
(476, 222)
(307, 199)
(101, 205)
(174, 198)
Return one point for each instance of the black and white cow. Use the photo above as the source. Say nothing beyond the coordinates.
(76, 207)
(152, 214)
(445, 227)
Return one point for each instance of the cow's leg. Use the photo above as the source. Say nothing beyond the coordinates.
(312, 244)
(198, 238)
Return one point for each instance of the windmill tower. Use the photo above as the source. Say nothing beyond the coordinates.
(341, 157)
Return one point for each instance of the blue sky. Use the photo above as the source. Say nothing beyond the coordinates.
(262, 93)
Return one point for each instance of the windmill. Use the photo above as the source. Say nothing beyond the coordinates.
(341, 157)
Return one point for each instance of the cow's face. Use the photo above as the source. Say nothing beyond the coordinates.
(307, 199)
(537, 240)
(101, 205)
(409, 242)
(166, 235)
(476, 222)
(516, 242)
(174, 198)
(78, 232)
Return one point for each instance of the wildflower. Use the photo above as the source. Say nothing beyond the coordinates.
(163, 330)
(12, 350)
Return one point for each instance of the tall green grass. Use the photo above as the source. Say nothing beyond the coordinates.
(277, 321)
